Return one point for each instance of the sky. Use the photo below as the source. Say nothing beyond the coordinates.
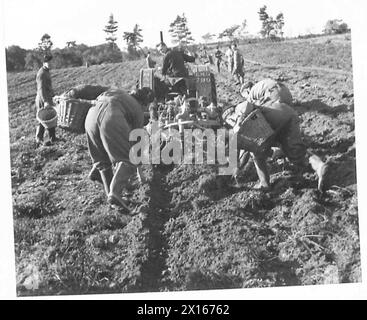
(24, 22)
(83, 21)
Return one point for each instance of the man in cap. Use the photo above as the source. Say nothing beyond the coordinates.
(44, 98)
(108, 126)
(238, 63)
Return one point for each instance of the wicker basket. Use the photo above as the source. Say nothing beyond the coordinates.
(72, 113)
(47, 117)
(253, 132)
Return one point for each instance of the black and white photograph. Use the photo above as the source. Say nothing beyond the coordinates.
(162, 147)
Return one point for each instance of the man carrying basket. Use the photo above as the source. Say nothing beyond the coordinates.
(284, 121)
(44, 99)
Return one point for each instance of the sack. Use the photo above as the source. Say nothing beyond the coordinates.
(47, 117)
(72, 113)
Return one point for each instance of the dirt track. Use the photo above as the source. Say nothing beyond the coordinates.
(193, 230)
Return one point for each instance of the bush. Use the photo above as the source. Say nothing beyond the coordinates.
(336, 27)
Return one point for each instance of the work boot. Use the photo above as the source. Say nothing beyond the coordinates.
(94, 175)
(321, 169)
(119, 181)
(106, 177)
(140, 174)
(262, 173)
(40, 130)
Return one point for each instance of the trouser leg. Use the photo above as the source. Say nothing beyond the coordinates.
(40, 131)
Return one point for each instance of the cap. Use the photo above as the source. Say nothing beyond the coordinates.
(160, 45)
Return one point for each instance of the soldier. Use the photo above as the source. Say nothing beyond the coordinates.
(174, 62)
(174, 69)
(44, 99)
(108, 125)
(150, 62)
(285, 122)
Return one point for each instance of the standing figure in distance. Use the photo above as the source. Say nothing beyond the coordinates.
(150, 62)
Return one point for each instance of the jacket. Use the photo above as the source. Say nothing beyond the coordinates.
(44, 87)
(269, 91)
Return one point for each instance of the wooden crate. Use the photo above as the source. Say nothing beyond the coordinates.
(253, 132)
(205, 83)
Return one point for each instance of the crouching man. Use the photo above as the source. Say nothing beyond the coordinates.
(108, 126)
(285, 122)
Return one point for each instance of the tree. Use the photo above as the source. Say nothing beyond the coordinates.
(240, 33)
(336, 26)
(271, 28)
(111, 29)
(208, 36)
(15, 58)
(101, 54)
(229, 33)
(45, 45)
(279, 24)
(180, 32)
(133, 40)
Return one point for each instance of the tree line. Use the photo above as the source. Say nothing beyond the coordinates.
(73, 54)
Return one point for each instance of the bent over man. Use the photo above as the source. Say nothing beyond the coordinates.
(174, 62)
(266, 92)
(108, 126)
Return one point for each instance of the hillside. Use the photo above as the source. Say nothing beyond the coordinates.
(193, 231)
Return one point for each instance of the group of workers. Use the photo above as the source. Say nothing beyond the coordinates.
(116, 113)
(234, 62)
